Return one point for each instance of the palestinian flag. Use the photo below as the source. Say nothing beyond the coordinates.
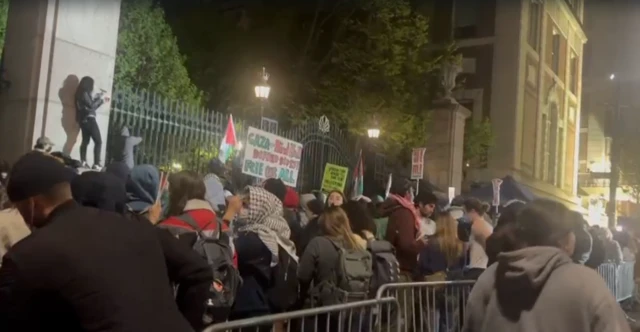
(358, 178)
(228, 142)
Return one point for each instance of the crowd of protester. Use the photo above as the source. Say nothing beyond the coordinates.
(112, 251)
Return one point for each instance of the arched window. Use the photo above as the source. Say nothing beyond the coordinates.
(552, 141)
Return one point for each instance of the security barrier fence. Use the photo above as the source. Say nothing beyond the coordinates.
(403, 307)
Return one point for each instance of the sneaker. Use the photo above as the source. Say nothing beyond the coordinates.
(96, 167)
(84, 165)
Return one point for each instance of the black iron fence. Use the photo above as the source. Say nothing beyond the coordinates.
(174, 134)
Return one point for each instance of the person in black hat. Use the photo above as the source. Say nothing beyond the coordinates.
(86, 269)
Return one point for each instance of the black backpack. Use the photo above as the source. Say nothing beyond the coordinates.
(386, 269)
(216, 249)
(283, 292)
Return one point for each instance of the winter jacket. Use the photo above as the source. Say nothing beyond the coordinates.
(310, 231)
(402, 233)
(433, 260)
(93, 270)
(541, 289)
(254, 265)
(319, 262)
(86, 106)
(204, 216)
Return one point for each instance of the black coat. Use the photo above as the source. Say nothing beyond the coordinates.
(254, 265)
(93, 270)
(86, 106)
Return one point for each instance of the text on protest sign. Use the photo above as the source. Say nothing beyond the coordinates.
(270, 156)
(335, 178)
(417, 163)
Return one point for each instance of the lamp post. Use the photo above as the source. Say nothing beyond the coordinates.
(373, 131)
(262, 91)
(615, 155)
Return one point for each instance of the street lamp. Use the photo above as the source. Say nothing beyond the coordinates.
(612, 77)
(374, 131)
(262, 92)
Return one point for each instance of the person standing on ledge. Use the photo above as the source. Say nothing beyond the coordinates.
(86, 107)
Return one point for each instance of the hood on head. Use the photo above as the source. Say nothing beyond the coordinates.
(217, 167)
(103, 191)
(125, 132)
(263, 205)
(119, 170)
(305, 199)
(526, 271)
(142, 186)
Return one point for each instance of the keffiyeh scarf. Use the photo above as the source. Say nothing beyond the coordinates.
(264, 218)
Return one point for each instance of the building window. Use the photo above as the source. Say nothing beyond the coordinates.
(553, 145)
(534, 23)
(573, 73)
(555, 52)
(465, 19)
(560, 153)
(545, 147)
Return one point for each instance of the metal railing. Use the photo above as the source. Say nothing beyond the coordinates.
(429, 306)
(177, 133)
(404, 307)
(619, 278)
(362, 316)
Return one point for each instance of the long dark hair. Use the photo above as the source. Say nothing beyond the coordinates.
(184, 186)
(85, 86)
(359, 218)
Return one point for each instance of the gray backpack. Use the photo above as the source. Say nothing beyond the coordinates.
(353, 274)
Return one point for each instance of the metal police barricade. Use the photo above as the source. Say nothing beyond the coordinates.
(362, 316)
(625, 283)
(608, 272)
(429, 306)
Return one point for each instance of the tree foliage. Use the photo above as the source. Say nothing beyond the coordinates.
(148, 56)
(355, 61)
(4, 13)
(478, 139)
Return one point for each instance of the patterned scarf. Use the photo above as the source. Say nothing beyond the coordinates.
(409, 205)
(265, 219)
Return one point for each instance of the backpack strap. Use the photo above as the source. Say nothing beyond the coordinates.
(188, 219)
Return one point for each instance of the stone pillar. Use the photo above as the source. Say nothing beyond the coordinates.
(50, 45)
(443, 157)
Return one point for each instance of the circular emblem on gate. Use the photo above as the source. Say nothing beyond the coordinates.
(323, 124)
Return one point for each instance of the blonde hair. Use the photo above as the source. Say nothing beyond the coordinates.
(335, 223)
(447, 238)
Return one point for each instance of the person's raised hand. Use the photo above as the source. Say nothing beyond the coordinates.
(155, 213)
(234, 204)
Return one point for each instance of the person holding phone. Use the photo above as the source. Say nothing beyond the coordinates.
(86, 106)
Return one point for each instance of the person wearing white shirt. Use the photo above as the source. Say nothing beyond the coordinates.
(480, 231)
(426, 202)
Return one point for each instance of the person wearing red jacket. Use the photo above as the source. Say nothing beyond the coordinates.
(187, 201)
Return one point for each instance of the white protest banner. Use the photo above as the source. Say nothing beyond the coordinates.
(417, 163)
(270, 156)
(451, 194)
(496, 183)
